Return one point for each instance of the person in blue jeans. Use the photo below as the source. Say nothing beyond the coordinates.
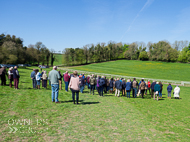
(128, 88)
(33, 77)
(169, 89)
(54, 77)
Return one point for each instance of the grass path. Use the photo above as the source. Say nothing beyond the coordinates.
(96, 118)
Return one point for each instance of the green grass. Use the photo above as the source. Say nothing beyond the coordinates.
(146, 69)
(58, 60)
(96, 118)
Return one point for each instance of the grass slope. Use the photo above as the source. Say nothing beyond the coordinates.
(58, 60)
(146, 69)
(95, 119)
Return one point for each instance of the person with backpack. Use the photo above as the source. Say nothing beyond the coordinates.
(156, 90)
(123, 87)
(118, 86)
(92, 81)
(135, 85)
(169, 89)
(152, 88)
(142, 87)
(111, 85)
(128, 88)
(101, 84)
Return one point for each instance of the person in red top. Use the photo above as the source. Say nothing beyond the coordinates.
(149, 84)
(66, 79)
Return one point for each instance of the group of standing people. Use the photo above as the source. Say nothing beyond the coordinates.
(12, 74)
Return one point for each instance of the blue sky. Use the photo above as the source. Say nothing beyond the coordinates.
(60, 24)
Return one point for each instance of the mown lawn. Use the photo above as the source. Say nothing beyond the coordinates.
(146, 69)
(96, 118)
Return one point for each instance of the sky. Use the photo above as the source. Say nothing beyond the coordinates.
(61, 24)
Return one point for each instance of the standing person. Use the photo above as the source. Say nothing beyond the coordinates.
(156, 90)
(161, 87)
(176, 92)
(54, 77)
(142, 87)
(10, 73)
(60, 81)
(81, 83)
(92, 83)
(33, 77)
(74, 86)
(66, 79)
(128, 88)
(123, 87)
(111, 85)
(38, 78)
(3, 72)
(101, 84)
(118, 87)
(149, 84)
(135, 85)
(16, 77)
(44, 77)
(107, 85)
(169, 89)
(97, 85)
(88, 81)
(146, 88)
(49, 79)
(152, 88)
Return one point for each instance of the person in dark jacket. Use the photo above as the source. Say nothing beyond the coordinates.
(111, 85)
(152, 88)
(101, 84)
(92, 83)
(128, 88)
(156, 90)
(118, 86)
(161, 87)
(97, 85)
(66, 79)
(105, 85)
(169, 89)
(33, 77)
(16, 77)
(3, 74)
(123, 87)
(142, 87)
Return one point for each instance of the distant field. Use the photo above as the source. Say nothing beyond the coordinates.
(58, 60)
(146, 69)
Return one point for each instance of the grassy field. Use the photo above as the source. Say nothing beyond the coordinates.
(96, 118)
(58, 59)
(146, 69)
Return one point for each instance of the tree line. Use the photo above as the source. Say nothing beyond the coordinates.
(161, 51)
(12, 51)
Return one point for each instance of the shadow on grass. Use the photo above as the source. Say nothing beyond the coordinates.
(81, 102)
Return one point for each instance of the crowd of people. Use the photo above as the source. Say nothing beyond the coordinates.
(77, 83)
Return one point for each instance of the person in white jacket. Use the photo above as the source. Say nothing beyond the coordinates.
(176, 92)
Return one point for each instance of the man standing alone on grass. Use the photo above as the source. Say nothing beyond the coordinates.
(16, 77)
(33, 78)
(66, 79)
(54, 77)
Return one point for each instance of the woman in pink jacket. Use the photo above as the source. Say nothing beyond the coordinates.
(74, 86)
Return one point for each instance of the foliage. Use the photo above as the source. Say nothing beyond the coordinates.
(143, 56)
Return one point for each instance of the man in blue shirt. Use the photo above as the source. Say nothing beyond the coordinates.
(33, 78)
